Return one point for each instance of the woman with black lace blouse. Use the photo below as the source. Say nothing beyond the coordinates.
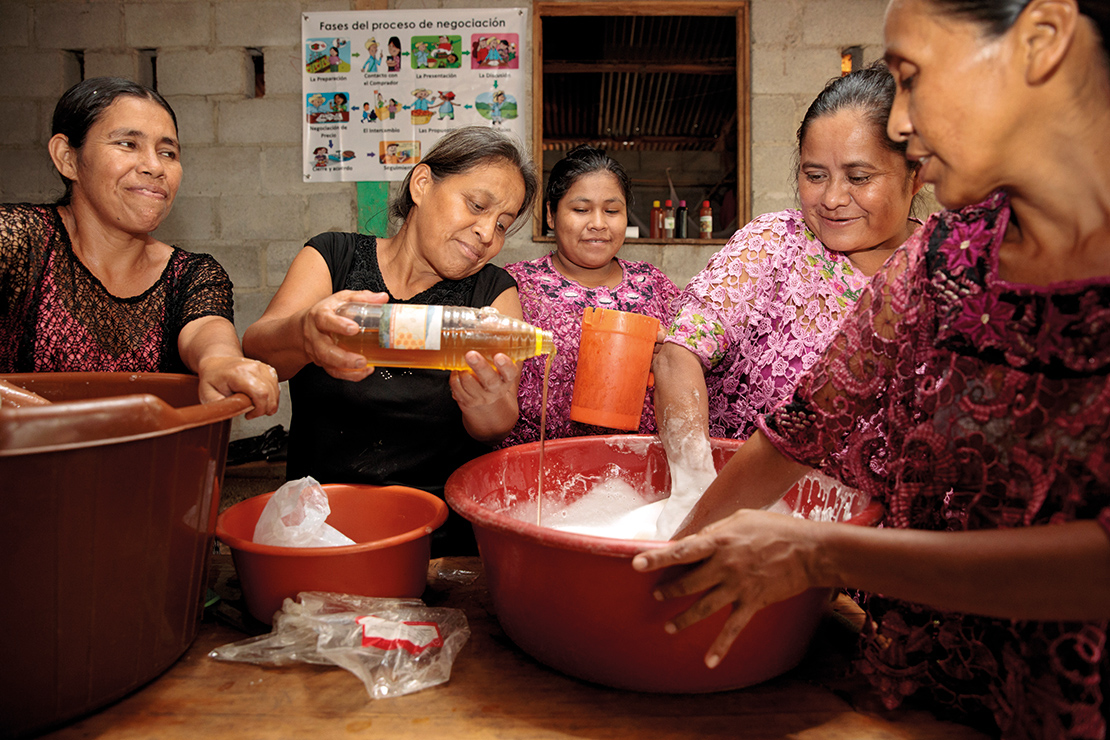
(83, 284)
(399, 426)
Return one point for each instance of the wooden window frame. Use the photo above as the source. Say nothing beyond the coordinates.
(738, 9)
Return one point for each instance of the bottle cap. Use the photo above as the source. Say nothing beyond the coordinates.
(681, 204)
(704, 203)
(655, 204)
(668, 204)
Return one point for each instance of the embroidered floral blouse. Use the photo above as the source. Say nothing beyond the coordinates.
(993, 399)
(551, 301)
(760, 313)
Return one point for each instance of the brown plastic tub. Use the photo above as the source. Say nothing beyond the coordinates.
(110, 495)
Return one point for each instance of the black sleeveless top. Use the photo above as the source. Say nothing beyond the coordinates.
(399, 426)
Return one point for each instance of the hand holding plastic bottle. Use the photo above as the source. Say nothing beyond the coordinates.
(320, 325)
(487, 395)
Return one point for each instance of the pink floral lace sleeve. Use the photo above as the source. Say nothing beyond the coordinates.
(760, 313)
(993, 400)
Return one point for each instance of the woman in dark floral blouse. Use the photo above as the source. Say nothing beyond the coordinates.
(983, 347)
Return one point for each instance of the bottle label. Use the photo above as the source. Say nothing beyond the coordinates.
(410, 327)
(668, 223)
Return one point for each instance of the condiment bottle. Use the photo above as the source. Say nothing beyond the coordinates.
(437, 337)
(668, 220)
(655, 225)
(680, 216)
(705, 221)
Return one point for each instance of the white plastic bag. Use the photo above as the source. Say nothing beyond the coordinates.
(295, 517)
(394, 646)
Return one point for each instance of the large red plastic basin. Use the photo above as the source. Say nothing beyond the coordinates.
(392, 526)
(110, 497)
(574, 602)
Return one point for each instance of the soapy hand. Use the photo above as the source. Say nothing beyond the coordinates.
(748, 560)
(321, 322)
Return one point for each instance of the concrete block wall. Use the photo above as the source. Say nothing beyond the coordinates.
(242, 198)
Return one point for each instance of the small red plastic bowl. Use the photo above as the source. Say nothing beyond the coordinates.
(574, 602)
(391, 524)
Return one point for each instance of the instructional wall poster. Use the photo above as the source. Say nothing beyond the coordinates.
(382, 86)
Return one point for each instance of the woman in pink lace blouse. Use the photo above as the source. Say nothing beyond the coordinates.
(768, 303)
(587, 199)
(83, 284)
(983, 351)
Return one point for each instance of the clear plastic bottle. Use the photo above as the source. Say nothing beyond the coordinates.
(668, 219)
(680, 216)
(438, 337)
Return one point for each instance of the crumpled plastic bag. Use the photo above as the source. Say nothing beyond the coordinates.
(295, 517)
(394, 646)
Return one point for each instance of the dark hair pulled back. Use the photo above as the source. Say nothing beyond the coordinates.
(580, 161)
(869, 90)
(461, 151)
(82, 105)
(997, 16)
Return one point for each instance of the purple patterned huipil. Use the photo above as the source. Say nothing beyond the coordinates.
(994, 401)
(760, 313)
(553, 302)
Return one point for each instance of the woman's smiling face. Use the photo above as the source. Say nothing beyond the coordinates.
(590, 220)
(855, 191)
(129, 166)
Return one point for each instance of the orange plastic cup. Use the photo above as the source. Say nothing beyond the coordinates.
(614, 368)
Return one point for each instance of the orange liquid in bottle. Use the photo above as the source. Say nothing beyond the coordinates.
(450, 356)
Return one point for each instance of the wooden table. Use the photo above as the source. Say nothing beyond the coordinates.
(495, 691)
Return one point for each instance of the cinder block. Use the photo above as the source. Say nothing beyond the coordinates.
(160, 25)
(266, 217)
(15, 19)
(259, 23)
(70, 25)
(857, 23)
(776, 23)
(773, 169)
(268, 120)
(774, 119)
(21, 123)
(772, 202)
(191, 222)
(331, 212)
(37, 74)
(250, 303)
(804, 71)
(279, 255)
(682, 261)
(112, 64)
(196, 121)
(521, 251)
(243, 262)
(652, 253)
(37, 182)
(205, 72)
(282, 67)
(222, 170)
